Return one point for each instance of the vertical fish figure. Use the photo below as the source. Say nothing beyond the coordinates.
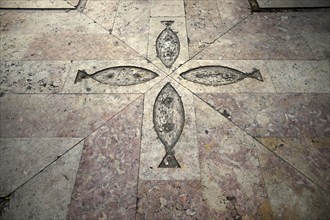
(168, 118)
(167, 45)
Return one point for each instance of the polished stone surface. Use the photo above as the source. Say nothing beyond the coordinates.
(171, 109)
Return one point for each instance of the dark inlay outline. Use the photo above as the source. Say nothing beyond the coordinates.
(218, 75)
(167, 45)
(118, 75)
(168, 119)
(79, 7)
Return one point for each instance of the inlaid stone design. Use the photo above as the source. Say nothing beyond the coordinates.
(169, 119)
(168, 45)
(119, 76)
(218, 75)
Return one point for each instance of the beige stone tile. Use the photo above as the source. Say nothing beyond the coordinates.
(73, 2)
(152, 149)
(132, 24)
(245, 85)
(263, 40)
(102, 12)
(167, 8)
(69, 46)
(319, 43)
(204, 24)
(54, 115)
(300, 76)
(233, 11)
(35, 4)
(291, 194)
(48, 194)
(178, 27)
(14, 46)
(91, 86)
(22, 158)
(33, 76)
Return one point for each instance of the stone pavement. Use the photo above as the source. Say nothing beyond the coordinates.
(163, 109)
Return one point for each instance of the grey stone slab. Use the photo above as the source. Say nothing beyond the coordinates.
(300, 76)
(48, 194)
(22, 158)
(292, 3)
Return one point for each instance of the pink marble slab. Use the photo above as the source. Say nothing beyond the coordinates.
(106, 183)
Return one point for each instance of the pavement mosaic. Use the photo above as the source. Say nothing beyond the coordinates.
(173, 109)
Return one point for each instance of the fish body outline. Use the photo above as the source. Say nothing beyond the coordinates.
(119, 75)
(214, 75)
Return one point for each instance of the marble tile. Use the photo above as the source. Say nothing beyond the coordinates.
(233, 11)
(102, 12)
(54, 22)
(106, 183)
(91, 86)
(291, 195)
(167, 8)
(299, 76)
(275, 115)
(13, 46)
(132, 24)
(178, 27)
(233, 185)
(319, 43)
(310, 155)
(48, 194)
(33, 77)
(58, 115)
(204, 24)
(263, 40)
(172, 199)
(67, 46)
(35, 4)
(152, 149)
(292, 3)
(22, 158)
(245, 85)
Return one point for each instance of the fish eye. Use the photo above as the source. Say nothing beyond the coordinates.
(110, 75)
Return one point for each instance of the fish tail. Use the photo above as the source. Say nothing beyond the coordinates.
(255, 74)
(169, 161)
(81, 74)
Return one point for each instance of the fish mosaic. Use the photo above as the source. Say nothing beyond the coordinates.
(168, 119)
(218, 75)
(118, 76)
(168, 45)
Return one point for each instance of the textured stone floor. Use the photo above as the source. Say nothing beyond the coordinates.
(163, 109)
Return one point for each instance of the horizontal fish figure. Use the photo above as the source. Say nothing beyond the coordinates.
(119, 75)
(218, 75)
(169, 119)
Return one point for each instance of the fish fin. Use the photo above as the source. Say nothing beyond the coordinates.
(81, 74)
(255, 74)
(169, 161)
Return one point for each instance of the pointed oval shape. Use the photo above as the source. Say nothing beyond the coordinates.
(218, 75)
(167, 47)
(168, 116)
(120, 75)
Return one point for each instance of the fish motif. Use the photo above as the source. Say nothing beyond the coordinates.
(119, 76)
(167, 45)
(218, 75)
(169, 119)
